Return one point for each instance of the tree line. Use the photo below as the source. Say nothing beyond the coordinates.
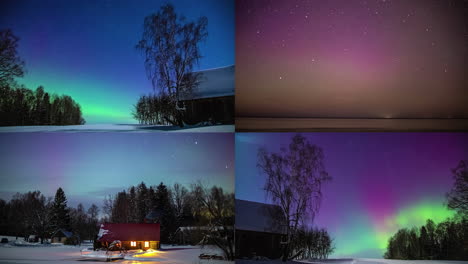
(447, 240)
(154, 110)
(21, 106)
(177, 206)
(32, 213)
(313, 243)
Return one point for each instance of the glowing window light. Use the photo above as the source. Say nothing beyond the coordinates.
(146, 244)
(133, 243)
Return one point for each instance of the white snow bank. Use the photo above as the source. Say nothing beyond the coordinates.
(380, 261)
(118, 128)
(101, 254)
(73, 254)
(102, 232)
(352, 261)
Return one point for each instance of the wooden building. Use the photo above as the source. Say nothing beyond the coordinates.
(61, 236)
(131, 235)
(212, 100)
(258, 230)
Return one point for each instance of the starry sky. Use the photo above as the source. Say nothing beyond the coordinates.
(381, 182)
(86, 49)
(90, 166)
(352, 58)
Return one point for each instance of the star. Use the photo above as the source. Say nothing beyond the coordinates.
(281, 78)
(196, 142)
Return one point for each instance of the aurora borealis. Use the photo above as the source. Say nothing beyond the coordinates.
(86, 49)
(90, 166)
(351, 58)
(381, 182)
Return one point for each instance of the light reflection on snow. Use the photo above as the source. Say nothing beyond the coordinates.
(72, 255)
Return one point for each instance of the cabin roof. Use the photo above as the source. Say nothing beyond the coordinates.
(63, 233)
(129, 232)
(258, 217)
(216, 82)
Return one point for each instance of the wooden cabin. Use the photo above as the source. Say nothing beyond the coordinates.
(258, 230)
(212, 100)
(131, 235)
(61, 236)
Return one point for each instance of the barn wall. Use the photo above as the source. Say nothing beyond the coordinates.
(59, 239)
(216, 109)
(250, 243)
(140, 244)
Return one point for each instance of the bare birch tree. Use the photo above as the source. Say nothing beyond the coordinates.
(170, 45)
(458, 196)
(294, 178)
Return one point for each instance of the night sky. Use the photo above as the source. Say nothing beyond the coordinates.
(381, 182)
(352, 58)
(90, 166)
(86, 49)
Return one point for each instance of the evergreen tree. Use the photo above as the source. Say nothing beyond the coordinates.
(132, 202)
(164, 205)
(142, 204)
(424, 243)
(120, 209)
(60, 214)
(444, 241)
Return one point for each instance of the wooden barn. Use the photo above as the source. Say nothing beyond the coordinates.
(213, 99)
(131, 235)
(258, 230)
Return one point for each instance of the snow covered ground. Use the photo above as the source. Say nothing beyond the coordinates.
(118, 128)
(9, 253)
(354, 261)
(382, 261)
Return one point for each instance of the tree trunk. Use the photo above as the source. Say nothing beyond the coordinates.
(285, 253)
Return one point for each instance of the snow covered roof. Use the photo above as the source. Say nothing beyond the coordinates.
(191, 228)
(259, 217)
(215, 83)
(154, 215)
(63, 232)
(129, 232)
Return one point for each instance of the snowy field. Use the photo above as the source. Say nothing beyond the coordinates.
(354, 261)
(9, 253)
(118, 128)
(382, 261)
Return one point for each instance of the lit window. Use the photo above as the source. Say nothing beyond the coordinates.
(133, 243)
(146, 244)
